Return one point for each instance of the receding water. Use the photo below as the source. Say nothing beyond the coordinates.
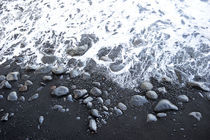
(142, 38)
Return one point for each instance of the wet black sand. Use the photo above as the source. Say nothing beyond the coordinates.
(57, 125)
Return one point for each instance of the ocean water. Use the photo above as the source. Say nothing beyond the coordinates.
(139, 38)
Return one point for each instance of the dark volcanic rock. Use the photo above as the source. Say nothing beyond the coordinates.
(44, 69)
(49, 59)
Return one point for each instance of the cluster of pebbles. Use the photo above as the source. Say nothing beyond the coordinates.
(96, 100)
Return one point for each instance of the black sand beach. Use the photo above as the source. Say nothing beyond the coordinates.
(132, 125)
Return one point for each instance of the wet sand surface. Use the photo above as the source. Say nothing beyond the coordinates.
(129, 126)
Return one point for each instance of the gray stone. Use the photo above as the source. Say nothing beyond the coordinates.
(105, 58)
(33, 97)
(97, 84)
(41, 119)
(199, 85)
(58, 108)
(138, 100)
(122, 106)
(78, 93)
(95, 113)
(7, 85)
(92, 125)
(44, 69)
(117, 111)
(100, 100)
(2, 77)
(152, 95)
(74, 73)
(12, 96)
(95, 91)
(28, 83)
(196, 115)
(162, 90)
(47, 78)
(77, 51)
(151, 118)
(208, 96)
(183, 98)
(117, 66)
(161, 115)
(48, 59)
(146, 85)
(88, 99)
(1, 96)
(166, 79)
(12, 76)
(59, 70)
(105, 108)
(165, 105)
(69, 98)
(107, 102)
(22, 98)
(85, 76)
(89, 104)
(60, 91)
(5, 117)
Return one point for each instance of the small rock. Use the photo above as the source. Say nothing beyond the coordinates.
(122, 106)
(48, 59)
(151, 118)
(117, 111)
(60, 91)
(92, 125)
(162, 90)
(138, 100)
(208, 96)
(107, 102)
(199, 85)
(58, 108)
(165, 105)
(183, 98)
(100, 100)
(44, 69)
(105, 108)
(97, 84)
(33, 97)
(23, 88)
(105, 58)
(5, 117)
(74, 73)
(7, 85)
(196, 115)
(161, 115)
(47, 78)
(69, 98)
(95, 91)
(105, 93)
(59, 70)
(152, 95)
(146, 86)
(12, 96)
(41, 119)
(12, 76)
(85, 76)
(2, 77)
(88, 99)
(22, 98)
(1, 96)
(89, 104)
(95, 113)
(166, 79)
(78, 93)
(28, 83)
(78, 118)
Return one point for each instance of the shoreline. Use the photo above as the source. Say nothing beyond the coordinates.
(73, 124)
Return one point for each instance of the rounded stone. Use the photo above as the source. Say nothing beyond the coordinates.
(12, 76)
(122, 106)
(95, 91)
(152, 95)
(151, 118)
(60, 91)
(146, 85)
(165, 105)
(161, 115)
(183, 98)
(12, 96)
(138, 100)
(47, 78)
(59, 70)
(92, 125)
